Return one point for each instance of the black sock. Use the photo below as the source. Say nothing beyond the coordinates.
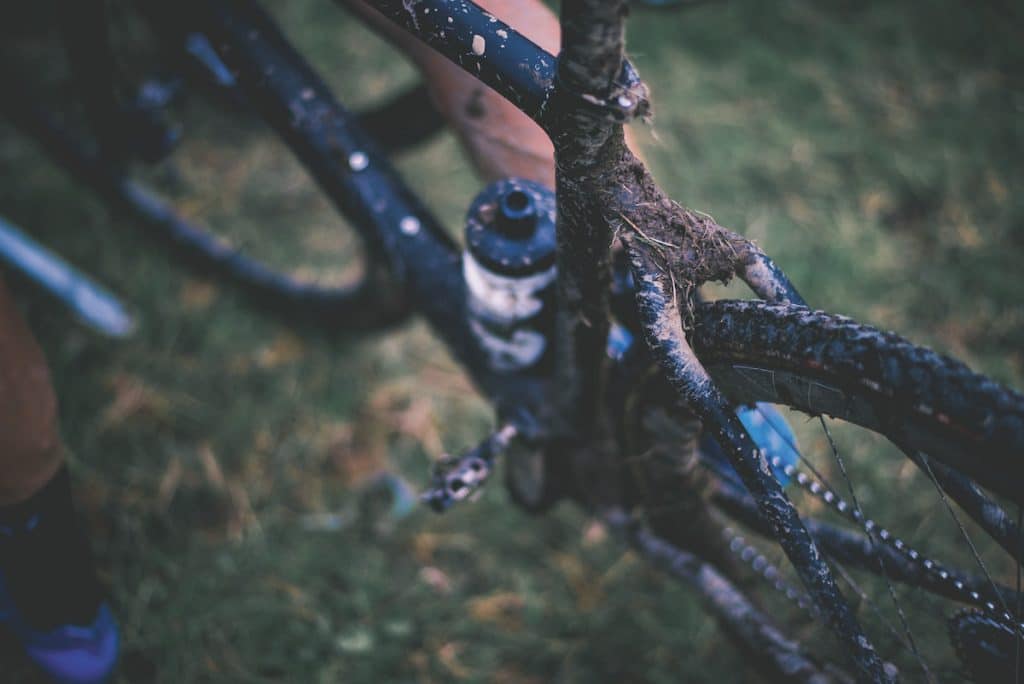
(45, 558)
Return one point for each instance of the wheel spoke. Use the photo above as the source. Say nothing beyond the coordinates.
(875, 608)
(1020, 553)
(892, 591)
(963, 531)
(988, 514)
(750, 555)
(844, 546)
(803, 459)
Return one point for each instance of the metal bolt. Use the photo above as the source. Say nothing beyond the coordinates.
(357, 161)
(410, 225)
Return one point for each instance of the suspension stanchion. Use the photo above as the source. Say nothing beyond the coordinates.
(509, 268)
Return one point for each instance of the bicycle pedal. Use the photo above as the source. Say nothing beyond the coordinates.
(458, 483)
(461, 479)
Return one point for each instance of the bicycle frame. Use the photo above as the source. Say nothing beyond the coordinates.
(581, 99)
(582, 106)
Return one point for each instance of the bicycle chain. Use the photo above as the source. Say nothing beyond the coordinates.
(766, 570)
(928, 565)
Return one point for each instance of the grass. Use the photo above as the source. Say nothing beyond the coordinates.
(873, 150)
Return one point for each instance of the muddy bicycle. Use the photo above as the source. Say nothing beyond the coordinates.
(577, 314)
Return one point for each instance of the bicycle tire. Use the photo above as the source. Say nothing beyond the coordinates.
(819, 363)
(824, 364)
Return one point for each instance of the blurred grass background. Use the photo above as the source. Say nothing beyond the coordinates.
(873, 150)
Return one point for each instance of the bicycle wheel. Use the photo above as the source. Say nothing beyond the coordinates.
(900, 439)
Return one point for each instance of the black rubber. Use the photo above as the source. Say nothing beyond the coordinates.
(987, 648)
(922, 401)
(817, 362)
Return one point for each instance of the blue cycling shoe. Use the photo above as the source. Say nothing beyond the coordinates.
(69, 654)
(769, 430)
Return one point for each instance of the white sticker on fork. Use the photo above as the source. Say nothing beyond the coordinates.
(501, 297)
(521, 349)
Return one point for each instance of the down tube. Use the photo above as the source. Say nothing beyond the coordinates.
(353, 172)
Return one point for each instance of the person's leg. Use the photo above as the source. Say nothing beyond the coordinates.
(49, 594)
(30, 448)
